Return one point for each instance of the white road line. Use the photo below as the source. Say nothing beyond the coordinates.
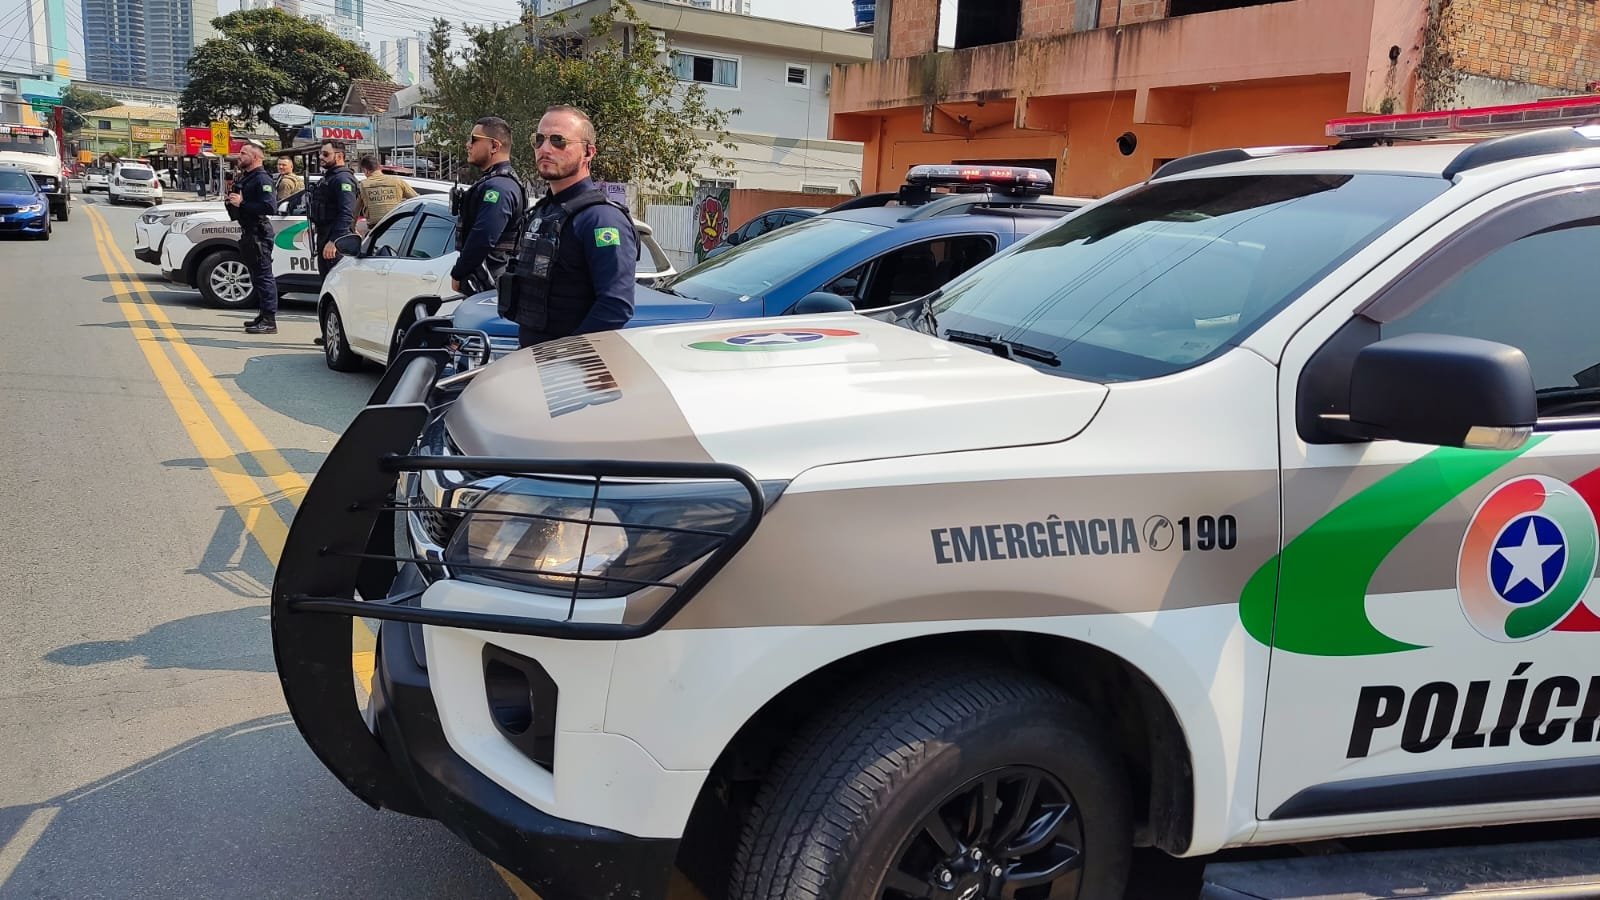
(12, 854)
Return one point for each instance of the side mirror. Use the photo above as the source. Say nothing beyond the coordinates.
(1443, 390)
(819, 302)
(348, 245)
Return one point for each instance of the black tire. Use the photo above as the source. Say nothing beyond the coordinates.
(224, 281)
(64, 212)
(335, 346)
(844, 808)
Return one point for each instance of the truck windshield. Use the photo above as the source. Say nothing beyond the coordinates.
(1170, 275)
(19, 142)
(750, 270)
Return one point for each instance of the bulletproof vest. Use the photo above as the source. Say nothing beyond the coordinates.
(528, 298)
(318, 206)
(249, 185)
(470, 203)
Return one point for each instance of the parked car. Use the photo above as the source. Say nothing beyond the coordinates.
(134, 182)
(201, 250)
(867, 253)
(24, 204)
(771, 220)
(399, 275)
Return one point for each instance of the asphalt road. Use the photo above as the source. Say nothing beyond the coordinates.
(153, 454)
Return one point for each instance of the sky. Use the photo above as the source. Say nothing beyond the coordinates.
(387, 19)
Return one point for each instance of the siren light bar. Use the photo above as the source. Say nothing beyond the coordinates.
(1013, 178)
(1466, 122)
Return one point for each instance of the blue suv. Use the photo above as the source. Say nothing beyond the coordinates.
(875, 251)
(24, 205)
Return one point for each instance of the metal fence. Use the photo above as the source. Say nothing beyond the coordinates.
(671, 217)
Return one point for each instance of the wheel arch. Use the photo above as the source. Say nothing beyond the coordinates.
(1153, 744)
(202, 252)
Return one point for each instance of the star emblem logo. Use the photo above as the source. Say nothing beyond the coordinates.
(1529, 557)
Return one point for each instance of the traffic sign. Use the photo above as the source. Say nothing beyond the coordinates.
(38, 100)
(220, 136)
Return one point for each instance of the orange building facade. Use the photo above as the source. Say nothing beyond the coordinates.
(1102, 92)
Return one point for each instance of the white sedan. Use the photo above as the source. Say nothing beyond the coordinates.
(402, 273)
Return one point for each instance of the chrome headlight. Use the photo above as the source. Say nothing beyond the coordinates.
(32, 207)
(566, 538)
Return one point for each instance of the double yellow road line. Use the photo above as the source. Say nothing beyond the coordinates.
(165, 350)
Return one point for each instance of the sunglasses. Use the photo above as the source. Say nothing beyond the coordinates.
(557, 141)
(475, 137)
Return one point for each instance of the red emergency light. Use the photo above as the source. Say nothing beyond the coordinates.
(1467, 123)
(1015, 178)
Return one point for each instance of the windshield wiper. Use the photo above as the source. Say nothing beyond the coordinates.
(992, 344)
(1003, 348)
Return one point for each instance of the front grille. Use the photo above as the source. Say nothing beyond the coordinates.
(437, 524)
(5, 210)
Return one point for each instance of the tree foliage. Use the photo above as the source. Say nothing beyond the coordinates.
(77, 97)
(652, 128)
(265, 57)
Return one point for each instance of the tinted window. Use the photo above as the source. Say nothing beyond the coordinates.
(16, 182)
(1168, 275)
(387, 239)
(435, 237)
(136, 173)
(919, 270)
(752, 269)
(1536, 294)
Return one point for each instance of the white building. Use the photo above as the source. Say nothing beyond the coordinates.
(740, 7)
(777, 75)
(409, 60)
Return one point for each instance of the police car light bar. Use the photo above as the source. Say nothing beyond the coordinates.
(1009, 177)
(1464, 123)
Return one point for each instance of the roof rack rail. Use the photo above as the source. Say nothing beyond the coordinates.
(1211, 158)
(1524, 145)
(956, 203)
(866, 201)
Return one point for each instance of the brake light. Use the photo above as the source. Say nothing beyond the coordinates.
(1466, 123)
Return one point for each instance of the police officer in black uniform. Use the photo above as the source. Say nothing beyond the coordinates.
(332, 205)
(490, 214)
(250, 202)
(576, 261)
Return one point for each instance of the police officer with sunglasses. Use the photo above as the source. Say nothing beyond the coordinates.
(490, 214)
(576, 262)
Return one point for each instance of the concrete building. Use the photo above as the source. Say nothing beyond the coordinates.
(777, 76)
(740, 7)
(144, 43)
(129, 130)
(1102, 92)
(410, 60)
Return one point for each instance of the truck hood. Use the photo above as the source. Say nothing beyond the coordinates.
(191, 206)
(33, 162)
(776, 396)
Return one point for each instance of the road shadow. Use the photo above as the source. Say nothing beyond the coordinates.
(234, 640)
(303, 388)
(245, 811)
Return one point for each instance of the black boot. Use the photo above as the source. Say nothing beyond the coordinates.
(265, 326)
(251, 323)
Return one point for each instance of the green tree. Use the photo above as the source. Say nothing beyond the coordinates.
(652, 127)
(77, 97)
(265, 57)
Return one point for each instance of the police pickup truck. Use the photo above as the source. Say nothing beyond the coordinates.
(200, 249)
(1253, 505)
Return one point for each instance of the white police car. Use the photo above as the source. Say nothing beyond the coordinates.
(201, 250)
(1254, 504)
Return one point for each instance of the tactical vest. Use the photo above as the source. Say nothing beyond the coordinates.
(318, 209)
(528, 299)
(467, 215)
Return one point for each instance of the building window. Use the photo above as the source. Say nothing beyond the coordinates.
(1190, 7)
(819, 189)
(9, 84)
(799, 76)
(983, 22)
(105, 124)
(701, 68)
(719, 183)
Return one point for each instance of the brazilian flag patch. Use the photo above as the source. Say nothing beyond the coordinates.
(491, 196)
(607, 237)
(345, 187)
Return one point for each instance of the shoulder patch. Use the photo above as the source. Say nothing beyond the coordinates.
(345, 186)
(607, 237)
(491, 196)
(267, 188)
